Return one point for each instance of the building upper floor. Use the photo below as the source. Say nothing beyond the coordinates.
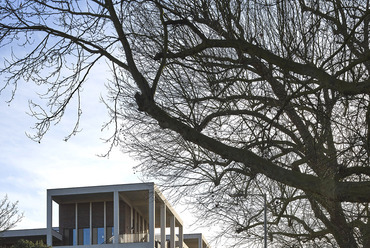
(125, 215)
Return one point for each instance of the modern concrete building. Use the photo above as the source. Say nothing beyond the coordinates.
(113, 216)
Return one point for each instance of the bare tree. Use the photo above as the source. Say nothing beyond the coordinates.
(9, 214)
(226, 99)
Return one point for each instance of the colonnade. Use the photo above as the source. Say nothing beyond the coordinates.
(167, 214)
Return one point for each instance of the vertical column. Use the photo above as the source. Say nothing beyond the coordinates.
(132, 220)
(265, 219)
(116, 217)
(91, 228)
(49, 220)
(200, 241)
(105, 222)
(135, 221)
(172, 233)
(163, 225)
(76, 223)
(151, 217)
(181, 236)
(142, 224)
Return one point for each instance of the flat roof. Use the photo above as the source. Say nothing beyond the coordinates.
(100, 189)
(88, 193)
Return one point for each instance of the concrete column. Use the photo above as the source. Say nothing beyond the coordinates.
(172, 232)
(116, 217)
(135, 221)
(142, 225)
(91, 228)
(76, 223)
(105, 222)
(200, 241)
(49, 220)
(132, 227)
(151, 217)
(163, 225)
(181, 236)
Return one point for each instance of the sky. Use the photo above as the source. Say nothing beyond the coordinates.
(29, 168)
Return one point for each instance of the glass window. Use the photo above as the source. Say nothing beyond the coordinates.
(74, 237)
(83, 236)
(86, 236)
(98, 235)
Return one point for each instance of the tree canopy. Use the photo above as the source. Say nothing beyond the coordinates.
(228, 99)
(22, 243)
